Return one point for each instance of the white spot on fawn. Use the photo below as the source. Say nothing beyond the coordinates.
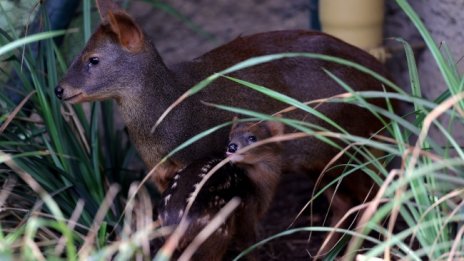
(226, 184)
(174, 185)
(190, 198)
(181, 212)
(204, 220)
(224, 230)
(166, 199)
(218, 201)
(211, 162)
(176, 177)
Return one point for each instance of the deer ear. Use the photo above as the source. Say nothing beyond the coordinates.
(129, 34)
(104, 7)
(276, 127)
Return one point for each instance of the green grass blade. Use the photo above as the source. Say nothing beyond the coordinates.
(29, 39)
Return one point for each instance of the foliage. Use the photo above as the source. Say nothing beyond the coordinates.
(68, 159)
(66, 156)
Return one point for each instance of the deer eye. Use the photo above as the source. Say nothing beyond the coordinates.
(252, 138)
(93, 61)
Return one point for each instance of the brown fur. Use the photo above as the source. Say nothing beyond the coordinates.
(262, 164)
(144, 87)
(133, 73)
(254, 182)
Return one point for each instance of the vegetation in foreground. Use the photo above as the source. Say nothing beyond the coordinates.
(59, 164)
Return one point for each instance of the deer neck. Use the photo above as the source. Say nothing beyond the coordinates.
(150, 95)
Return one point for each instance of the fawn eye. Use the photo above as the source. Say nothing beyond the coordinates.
(252, 138)
(93, 61)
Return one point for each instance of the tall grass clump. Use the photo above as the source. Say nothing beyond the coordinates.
(59, 164)
(69, 161)
(426, 189)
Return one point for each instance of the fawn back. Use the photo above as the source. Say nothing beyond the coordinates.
(121, 63)
(252, 177)
(228, 182)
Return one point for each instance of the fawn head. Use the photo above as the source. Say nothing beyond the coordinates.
(243, 134)
(109, 64)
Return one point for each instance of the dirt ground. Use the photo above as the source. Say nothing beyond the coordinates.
(294, 192)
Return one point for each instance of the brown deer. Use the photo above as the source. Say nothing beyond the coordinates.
(252, 177)
(121, 63)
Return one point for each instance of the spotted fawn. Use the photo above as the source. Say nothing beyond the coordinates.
(251, 176)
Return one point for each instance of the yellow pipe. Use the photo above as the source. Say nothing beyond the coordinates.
(359, 22)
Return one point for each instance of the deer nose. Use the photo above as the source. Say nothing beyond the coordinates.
(59, 92)
(232, 148)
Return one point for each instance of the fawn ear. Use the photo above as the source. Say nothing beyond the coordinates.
(129, 34)
(276, 127)
(104, 7)
(234, 122)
